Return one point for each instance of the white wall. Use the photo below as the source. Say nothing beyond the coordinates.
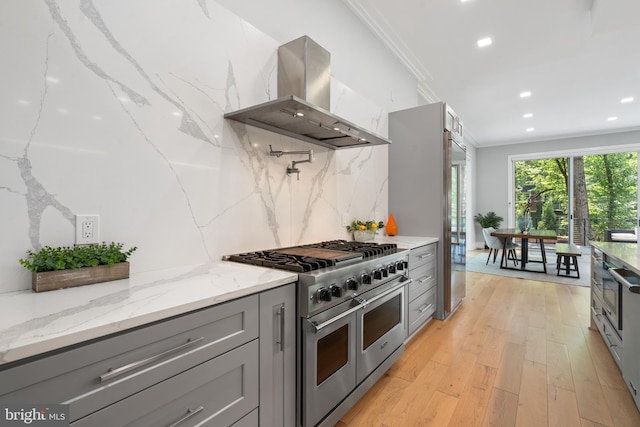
(492, 176)
(116, 108)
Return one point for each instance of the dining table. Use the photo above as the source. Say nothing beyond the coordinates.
(536, 235)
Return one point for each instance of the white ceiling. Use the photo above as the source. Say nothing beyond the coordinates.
(579, 58)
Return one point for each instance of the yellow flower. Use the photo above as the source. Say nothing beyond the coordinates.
(374, 226)
(363, 227)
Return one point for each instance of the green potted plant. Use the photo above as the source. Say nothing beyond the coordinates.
(65, 267)
(364, 230)
(491, 219)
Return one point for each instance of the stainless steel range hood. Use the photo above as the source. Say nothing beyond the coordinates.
(301, 110)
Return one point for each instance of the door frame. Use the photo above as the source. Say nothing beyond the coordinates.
(512, 158)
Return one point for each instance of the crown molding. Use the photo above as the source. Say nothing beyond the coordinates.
(397, 47)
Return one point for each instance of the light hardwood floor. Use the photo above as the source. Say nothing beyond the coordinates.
(517, 353)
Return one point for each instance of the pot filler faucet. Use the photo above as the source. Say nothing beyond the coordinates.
(293, 169)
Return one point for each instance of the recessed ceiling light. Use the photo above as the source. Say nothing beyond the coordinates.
(625, 100)
(530, 129)
(528, 115)
(299, 114)
(484, 42)
(611, 119)
(525, 94)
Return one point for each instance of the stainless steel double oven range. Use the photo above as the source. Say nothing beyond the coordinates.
(351, 311)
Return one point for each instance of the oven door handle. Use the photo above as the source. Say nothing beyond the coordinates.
(318, 326)
(362, 304)
(388, 291)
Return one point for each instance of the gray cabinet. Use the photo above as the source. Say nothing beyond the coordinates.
(93, 376)
(278, 357)
(624, 345)
(203, 367)
(421, 300)
(631, 338)
(598, 317)
(218, 392)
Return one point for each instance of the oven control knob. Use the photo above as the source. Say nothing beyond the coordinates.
(352, 284)
(336, 291)
(385, 272)
(391, 268)
(365, 279)
(323, 294)
(377, 274)
(400, 265)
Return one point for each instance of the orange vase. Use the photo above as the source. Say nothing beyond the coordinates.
(392, 228)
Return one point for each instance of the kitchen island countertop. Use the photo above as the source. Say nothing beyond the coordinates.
(34, 323)
(628, 253)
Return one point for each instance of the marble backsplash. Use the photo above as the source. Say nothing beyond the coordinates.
(116, 108)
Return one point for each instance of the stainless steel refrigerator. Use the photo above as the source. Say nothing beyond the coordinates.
(427, 162)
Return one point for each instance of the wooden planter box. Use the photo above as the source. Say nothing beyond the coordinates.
(50, 280)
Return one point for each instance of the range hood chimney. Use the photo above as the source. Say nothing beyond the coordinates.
(302, 108)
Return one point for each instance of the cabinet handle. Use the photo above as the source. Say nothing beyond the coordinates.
(280, 340)
(190, 413)
(425, 308)
(609, 340)
(425, 256)
(111, 373)
(424, 279)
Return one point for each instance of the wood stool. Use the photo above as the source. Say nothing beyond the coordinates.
(568, 254)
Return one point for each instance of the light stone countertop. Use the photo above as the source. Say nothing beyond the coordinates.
(405, 242)
(33, 323)
(628, 253)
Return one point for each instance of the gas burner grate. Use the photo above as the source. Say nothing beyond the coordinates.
(366, 249)
(283, 259)
(273, 259)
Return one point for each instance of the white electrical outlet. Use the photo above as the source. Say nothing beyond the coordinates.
(87, 229)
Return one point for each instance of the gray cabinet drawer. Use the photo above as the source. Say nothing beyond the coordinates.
(421, 309)
(596, 310)
(250, 420)
(215, 393)
(91, 376)
(612, 341)
(424, 278)
(421, 255)
(610, 337)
